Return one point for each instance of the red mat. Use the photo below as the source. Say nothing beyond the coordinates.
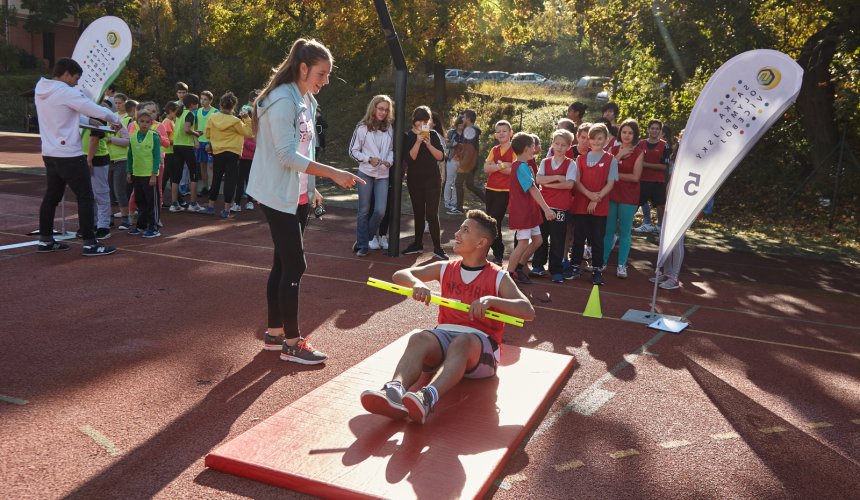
(325, 444)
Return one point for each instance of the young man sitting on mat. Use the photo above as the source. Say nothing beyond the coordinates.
(464, 344)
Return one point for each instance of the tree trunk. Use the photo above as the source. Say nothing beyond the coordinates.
(816, 99)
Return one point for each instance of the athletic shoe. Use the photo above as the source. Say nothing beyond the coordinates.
(386, 402)
(123, 226)
(249, 205)
(658, 279)
(440, 254)
(225, 213)
(102, 233)
(454, 211)
(557, 278)
(235, 207)
(175, 207)
(586, 253)
(523, 277)
(418, 404)
(374, 243)
(597, 277)
(151, 233)
(183, 204)
(194, 207)
(413, 249)
(383, 242)
(118, 215)
(362, 252)
(134, 231)
(207, 211)
(98, 249)
(538, 271)
(302, 353)
(670, 284)
(572, 272)
(621, 272)
(272, 343)
(644, 229)
(51, 246)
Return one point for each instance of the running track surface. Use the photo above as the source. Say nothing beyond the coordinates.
(119, 374)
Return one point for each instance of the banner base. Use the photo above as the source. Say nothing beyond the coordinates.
(669, 325)
(646, 317)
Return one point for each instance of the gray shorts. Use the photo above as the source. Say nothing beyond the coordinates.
(488, 361)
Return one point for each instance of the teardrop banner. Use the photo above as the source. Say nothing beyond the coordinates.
(740, 102)
(102, 51)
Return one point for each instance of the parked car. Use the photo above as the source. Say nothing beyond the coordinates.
(529, 78)
(590, 85)
(474, 77)
(486, 76)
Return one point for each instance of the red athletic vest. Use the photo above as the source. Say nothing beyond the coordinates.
(523, 210)
(593, 179)
(653, 155)
(498, 181)
(558, 199)
(625, 191)
(453, 287)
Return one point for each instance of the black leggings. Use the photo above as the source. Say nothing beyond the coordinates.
(182, 156)
(244, 175)
(497, 206)
(288, 266)
(226, 165)
(425, 196)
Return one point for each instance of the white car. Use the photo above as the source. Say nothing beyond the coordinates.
(488, 76)
(529, 78)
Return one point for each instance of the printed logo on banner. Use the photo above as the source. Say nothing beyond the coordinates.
(768, 77)
(113, 39)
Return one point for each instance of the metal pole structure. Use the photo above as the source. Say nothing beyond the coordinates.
(400, 73)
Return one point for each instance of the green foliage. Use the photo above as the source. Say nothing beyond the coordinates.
(639, 91)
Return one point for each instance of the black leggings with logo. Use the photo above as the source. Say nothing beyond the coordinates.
(288, 266)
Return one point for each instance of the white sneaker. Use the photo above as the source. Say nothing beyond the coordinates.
(195, 207)
(235, 208)
(659, 279)
(383, 242)
(644, 228)
(249, 205)
(670, 284)
(374, 243)
(621, 272)
(586, 253)
(118, 215)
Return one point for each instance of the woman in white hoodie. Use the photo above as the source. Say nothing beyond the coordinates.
(281, 176)
(372, 146)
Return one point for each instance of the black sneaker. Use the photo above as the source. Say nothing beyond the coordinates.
(597, 277)
(386, 402)
(440, 254)
(102, 233)
(523, 277)
(273, 343)
(418, 405)
(51, 246)
(98, 249)
(572, 272)
(413, 248)
(124, 225)
(302, 353)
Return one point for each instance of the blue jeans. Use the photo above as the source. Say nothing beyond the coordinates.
(366, 226)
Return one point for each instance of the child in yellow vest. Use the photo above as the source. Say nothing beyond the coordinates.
(144, 159)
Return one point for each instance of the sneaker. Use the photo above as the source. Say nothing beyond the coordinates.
(134, 231)
(538, 271)
(440, 254)
(362, 252)
(454, 211)
(175, 207)
(98, 249)
(658, 279)
(387, 402)
(195, 207)
(670, 284)
(597, 277)
(418, 404)
(235, 208)
(51, 246)
(207, 210)
(557, 278)
(249, 205)
(383, 242)
(272, 343)
(102, 233)
(225, 213)
(118, 215)
(572, 272)
(124, 225)
(644, 229)
(586, 253)
(183, 204)
(151, 233)
(302, 353)
(413, 249)
(523, 277)
(621, 272)
(374, 243)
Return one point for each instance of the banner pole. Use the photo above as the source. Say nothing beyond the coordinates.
(654, 296)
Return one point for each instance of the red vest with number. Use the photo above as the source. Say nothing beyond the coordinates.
(498, 181)
(625, 191)
(558, 199)
(592, 179)
(523, 210)
(653, 155)
(453, 287)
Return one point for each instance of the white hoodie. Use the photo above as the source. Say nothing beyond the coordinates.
(59, 108)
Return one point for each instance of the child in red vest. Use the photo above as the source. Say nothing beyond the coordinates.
(596, 173)
(524, 208)
(555, 177)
